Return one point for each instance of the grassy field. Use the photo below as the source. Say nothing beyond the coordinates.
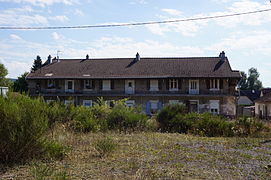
(149, 155)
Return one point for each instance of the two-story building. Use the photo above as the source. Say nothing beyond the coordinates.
(203, 84)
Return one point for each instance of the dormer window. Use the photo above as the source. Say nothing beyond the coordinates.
(173, 84)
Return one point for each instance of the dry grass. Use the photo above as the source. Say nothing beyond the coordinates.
(149, 155)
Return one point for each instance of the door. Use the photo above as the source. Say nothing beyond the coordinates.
(129, 86)
(193, 86)
(194, 106)
(69, 85)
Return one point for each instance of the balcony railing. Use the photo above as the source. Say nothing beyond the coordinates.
(123, 93)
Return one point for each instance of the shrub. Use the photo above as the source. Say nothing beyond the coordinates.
(167, 116)
(101, 112)
(23, 123)
(43, 172)
(245, 126)
(105, 146)
(211, 126)
(123, 118)
(83, 120)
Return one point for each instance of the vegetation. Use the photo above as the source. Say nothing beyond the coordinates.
(3, 73)
(102, 142)
(174, 118)
(20, 85)
(37, 64)
(23, 126)
(251, 82)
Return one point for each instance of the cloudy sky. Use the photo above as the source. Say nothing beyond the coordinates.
(245, 39)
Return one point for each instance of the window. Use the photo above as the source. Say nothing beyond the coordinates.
(214, 84)
(154, 107)
(130, 103)
(68, 102)
(88, 84)
(193, 86)
(153, 85)
(174, 102)
(106, 85)
(87, 103)
(50, 83)
(214, 106)
(69, 86)
(173, 84)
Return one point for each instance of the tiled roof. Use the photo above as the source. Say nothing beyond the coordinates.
(129, 68)
(265, 98)
(251, 94)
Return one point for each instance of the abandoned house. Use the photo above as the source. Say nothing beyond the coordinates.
(203, 84)
(263, 106)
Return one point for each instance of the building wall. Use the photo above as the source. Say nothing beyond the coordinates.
(226, 103)
(263, 110)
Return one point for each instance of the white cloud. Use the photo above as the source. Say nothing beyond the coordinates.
(249, 43)
(21, 16)
(172, 12)
(26, 16)
(138, 2)
(15, 68)
(59, 18)
(15, 37)
(190, 28)
(78, 12)
(43, 3)
(56, 36)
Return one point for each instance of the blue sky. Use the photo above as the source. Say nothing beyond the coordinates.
(245, 39)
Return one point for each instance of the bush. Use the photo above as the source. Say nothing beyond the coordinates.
(105, 146)
(211, 126)
(245, 126)
(23, 125)
(123, 118)
(83, 120)
(100, 112)
(167, 117)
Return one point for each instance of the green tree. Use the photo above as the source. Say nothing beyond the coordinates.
(3, 73)
(37, 64)
(20, 85)
(243, 81)
(253, 81)
(250, 82)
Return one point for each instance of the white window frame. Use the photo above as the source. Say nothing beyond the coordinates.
(66, 86)
(173, 84)
(174, 102)
(87, 102)
(154, 106)
(128, 89)
(67, 102)
(214, 106)
(88, 84)
(130, 103)
(154, 85)
(214, 84)
(192, 88)
(106, 85)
